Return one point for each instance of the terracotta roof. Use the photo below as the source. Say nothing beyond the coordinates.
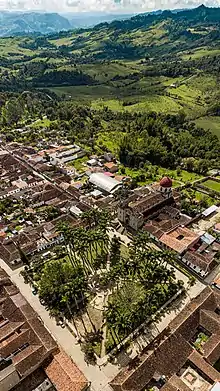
(64, 374)
(22, 335)
(180, 239)
(110, 165)
(173, 348)
(140, 206)
(166, 182)
(198, 260)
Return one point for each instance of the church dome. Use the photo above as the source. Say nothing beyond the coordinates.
(166, 182)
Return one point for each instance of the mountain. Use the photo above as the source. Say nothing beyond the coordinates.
(88, 19)
(21, 23)
(163, 61)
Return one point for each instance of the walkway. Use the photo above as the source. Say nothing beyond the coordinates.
(99, 381)
(99, 375)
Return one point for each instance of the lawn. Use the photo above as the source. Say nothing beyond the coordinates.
(213, 185)
(201, 196)
(88, 93)
(209, 123)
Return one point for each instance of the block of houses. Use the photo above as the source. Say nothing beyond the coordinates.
(184, 357)
(30, 357)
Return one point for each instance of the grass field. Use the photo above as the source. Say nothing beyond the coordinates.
(213, 185)
(200, 197)
(200, 52)
(143, 95)
(210, 123)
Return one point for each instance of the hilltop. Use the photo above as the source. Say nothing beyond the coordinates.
(166, 62)
(21, 23)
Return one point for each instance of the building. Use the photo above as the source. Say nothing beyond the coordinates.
(111, 167)
(92, 162)
(179, 239)
(134, 211)
(164, 220)
(36, 240)
(29, 357)
(184, 357)
(104, 183)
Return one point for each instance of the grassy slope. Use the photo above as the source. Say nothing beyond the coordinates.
(211, 123)
(146, 94)
(213, 185)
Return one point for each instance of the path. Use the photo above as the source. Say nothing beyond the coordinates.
(99, 381)
(151, 331)
(99, 377)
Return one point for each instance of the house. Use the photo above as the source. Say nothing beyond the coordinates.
(92, 163)
(111, 167)
(164, 220)
(30, 357)
(184, 357)
(179, 239)
(64, 374)
(199, 263)
(202, 256)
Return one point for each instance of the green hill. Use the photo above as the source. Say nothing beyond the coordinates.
(163, 62)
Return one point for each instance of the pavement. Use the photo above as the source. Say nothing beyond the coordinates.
(94, 374)
(101, 374)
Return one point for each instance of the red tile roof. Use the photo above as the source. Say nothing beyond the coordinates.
(64, 374)
(179, 239)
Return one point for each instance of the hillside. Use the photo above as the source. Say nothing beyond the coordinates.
(166, 62)
(15, 23)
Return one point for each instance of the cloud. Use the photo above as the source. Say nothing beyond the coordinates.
(102, 5)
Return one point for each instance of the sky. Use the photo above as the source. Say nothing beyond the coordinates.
(108, 6)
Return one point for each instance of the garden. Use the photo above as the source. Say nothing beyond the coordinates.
(103, 291)
(212, 185)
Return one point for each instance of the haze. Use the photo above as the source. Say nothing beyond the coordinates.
(107, 6)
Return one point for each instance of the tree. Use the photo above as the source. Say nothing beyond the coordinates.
(62, 286)
(12, 112)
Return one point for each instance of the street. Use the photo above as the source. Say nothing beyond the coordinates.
(99, 381)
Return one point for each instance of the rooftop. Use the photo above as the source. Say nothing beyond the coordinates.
(173, 351)
(23, 337)
(104, 182)
(26, 345)
(64, 374)
(179, 239)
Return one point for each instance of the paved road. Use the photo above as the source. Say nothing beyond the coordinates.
(99, 381)
(98, 376)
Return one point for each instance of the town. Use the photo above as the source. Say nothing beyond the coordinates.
(105, 284)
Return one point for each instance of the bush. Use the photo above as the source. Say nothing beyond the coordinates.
(89, 352)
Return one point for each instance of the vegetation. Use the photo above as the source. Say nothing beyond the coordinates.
(146, 89)
(138, 281)
(213, 185)
(193, 202)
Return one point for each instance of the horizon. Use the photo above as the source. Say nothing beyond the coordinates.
(100, 6)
